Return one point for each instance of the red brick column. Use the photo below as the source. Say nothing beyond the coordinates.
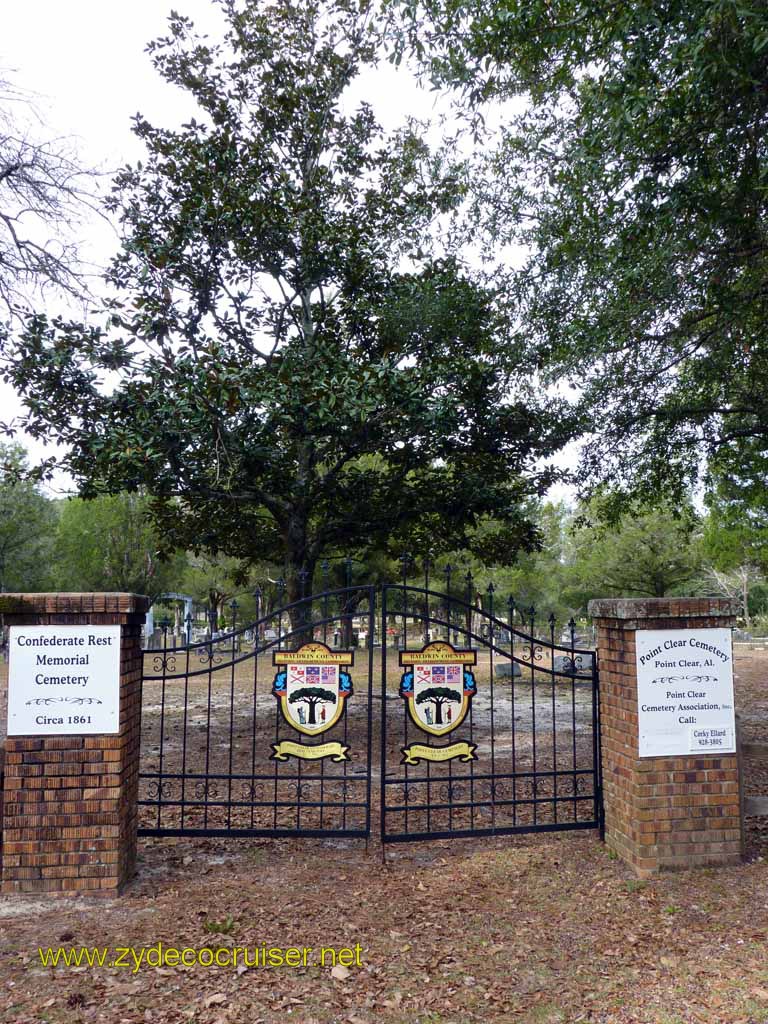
(70, 802)
(661, 813)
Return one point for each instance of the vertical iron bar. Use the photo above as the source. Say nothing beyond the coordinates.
(383, 761)
(448, 573)
(347, 623)
(162, 725)
(468, 614)
(324, 570)
(233, 606)
(206, 784)
(184, 741)
(306, 616)
(468, 630)
(491, 591)
(299, 612)
(280, 604)
(572, 628)
(368, 747)
(404, 558)
(554, 713)
(427, 567)
(345, 764)
(254, 716)
(277, 707)
(511, 615)
(402, 646)
(325, 584)
(532, 614)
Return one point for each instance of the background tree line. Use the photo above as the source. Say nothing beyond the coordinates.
(111, 543)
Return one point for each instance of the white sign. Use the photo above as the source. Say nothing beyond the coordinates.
(685, 692)
(63, 680)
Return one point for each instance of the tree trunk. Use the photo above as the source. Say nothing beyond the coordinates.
(745, 600)
(438, 713)
(298, 594)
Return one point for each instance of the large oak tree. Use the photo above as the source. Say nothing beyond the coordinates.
(634, 166)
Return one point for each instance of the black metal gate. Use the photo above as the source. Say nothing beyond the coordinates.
(224, 752)
(487, 724)
(487, 727)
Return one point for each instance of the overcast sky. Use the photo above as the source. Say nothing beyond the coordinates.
(85, 62)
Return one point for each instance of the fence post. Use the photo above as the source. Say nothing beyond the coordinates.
(668, 811)
(69, 813)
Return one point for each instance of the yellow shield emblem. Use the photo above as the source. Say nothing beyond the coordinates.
(438, 686)
(312, 686)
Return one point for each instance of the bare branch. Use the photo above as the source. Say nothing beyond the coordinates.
(44, 193)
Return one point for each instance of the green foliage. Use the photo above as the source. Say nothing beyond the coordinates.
(537, 578)
(299, 368)
(219, 579)
(636, 174)
(735, 530)
(654, 554)
(224, 927)
(109, 543)
(27, 525)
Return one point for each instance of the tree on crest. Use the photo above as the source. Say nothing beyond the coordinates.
(312, 696)
(438, 696)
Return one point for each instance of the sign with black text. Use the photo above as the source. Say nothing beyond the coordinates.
(63, 680)
(685, 692)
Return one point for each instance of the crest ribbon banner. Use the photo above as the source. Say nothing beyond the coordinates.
(421, 752)
(287, 748)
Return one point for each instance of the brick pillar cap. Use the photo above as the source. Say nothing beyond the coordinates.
(663, 607)
(74, 603)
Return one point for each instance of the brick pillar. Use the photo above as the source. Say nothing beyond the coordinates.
(70, 802)
(667, 812)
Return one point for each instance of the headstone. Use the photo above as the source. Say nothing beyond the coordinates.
(580, 664)
(507, 670)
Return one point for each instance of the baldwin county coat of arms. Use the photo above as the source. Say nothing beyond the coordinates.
(437, 687)
(312, 688)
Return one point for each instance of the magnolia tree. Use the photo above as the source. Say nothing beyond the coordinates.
(292, 363)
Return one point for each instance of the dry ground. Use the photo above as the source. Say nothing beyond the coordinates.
(543, 928)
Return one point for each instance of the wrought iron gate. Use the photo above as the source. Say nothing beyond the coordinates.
(224, 751)
(486, 727)
(487, 724)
